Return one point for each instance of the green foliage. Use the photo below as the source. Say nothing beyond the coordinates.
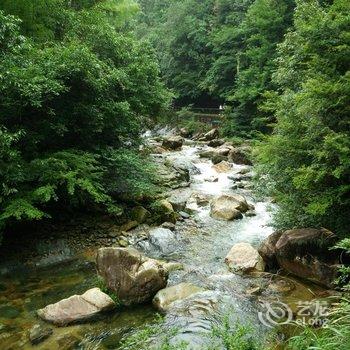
(100, 283)
(334, 335)
(307, 157)
(262, 29)
(71, 101)
(130, 176)
(152, 337)
(185, 118)
(343, 280)
(237, 337)
(216, 52)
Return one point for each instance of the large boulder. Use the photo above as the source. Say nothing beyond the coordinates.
(77, 308)
(39, 333)
(183, 165)
(165, 297)
(164, 212)
(239, 156)
(133, 277)
(267, 250)
(304, 253)
(163, 239)
(228, 207)
(179, 197)
(222, 167)
(185, 132)
(173, 142)
(216, 143)
(216, 155)
(243, 258)
(210, 135)
(170, 176)
(140, 214)
(223, 151)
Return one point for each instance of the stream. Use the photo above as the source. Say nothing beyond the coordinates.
(201, 246)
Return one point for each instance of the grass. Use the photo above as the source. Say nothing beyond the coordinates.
(146, 337)
(335, 335)
(100, 283)
(235, 337)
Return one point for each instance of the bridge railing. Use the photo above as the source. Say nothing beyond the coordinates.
(211, 116)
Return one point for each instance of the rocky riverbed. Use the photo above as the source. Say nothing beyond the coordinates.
(208, 245)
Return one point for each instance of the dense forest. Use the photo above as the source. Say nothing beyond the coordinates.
(76, 87)
(281, 68)
(81, 80)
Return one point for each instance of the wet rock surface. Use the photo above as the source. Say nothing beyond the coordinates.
(163, 240)
(39, 333)
(77, 308)
(228, 207)
(195, 255)
(164, 299)
(173, 142)
(243, 258)
(304, 253)
(131, 275)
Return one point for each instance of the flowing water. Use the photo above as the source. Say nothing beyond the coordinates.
(202, 246)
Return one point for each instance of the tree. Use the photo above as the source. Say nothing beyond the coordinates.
(262, 29)
(68, 108)
(307, 157)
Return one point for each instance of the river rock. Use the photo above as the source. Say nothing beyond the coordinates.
(173, 142)
(239, 156)
(254, 290)
(173, 266)
(140, 214)
(129, 225)
(228, 207)
(202, 199)
(165, 297)
(179, 197)
(184, 165)
(267, 250)
(77, 308)
(169, 176)
(304, 253)
(222, 167)
(197, 306)
(169, 226)
(165, 212)
(132, 276)
(218, 158)
(216, 143)
(163, 240)
(39, 333)
(210, 135)
(156, 149)
(208, 153)
(215, 155)
(243, 258)
(185, 132)
(212, 179)
(184, 215)
(282, 286)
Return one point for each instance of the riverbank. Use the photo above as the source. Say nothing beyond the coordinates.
(197, 242)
